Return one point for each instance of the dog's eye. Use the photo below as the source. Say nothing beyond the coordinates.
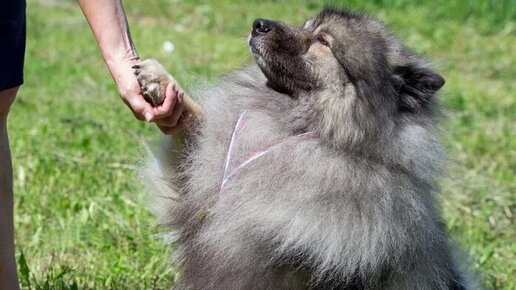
(322, 40)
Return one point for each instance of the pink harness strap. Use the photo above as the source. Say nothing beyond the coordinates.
(228, 171)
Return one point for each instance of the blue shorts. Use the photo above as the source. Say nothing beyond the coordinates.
(12, 43)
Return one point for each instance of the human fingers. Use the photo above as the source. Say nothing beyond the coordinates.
(140, 108)
(166, 108)
(172, 120)
(180, 126)
(131, 94)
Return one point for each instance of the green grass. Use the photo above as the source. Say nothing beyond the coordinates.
(81, 218)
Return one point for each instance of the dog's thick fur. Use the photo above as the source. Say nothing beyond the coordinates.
(353, 208)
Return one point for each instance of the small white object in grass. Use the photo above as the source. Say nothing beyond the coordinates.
(180, 28)
(168, 46)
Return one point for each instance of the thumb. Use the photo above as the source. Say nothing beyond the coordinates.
(140, 108)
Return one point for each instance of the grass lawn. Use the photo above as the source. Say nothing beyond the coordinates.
(81, 218)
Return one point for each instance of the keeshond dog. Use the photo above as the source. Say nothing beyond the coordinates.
(315, 169)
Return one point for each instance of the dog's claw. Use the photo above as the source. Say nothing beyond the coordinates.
(152, 78)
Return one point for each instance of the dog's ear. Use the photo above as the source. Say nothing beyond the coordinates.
(416, 85)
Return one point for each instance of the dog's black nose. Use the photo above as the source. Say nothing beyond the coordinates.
(261, 26)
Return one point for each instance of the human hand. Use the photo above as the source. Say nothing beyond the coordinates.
(168, 114)
(162, 90)
(173, 103)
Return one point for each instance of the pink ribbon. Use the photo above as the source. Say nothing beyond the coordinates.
(228, 172)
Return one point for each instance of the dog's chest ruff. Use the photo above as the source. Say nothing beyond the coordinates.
(231, 167)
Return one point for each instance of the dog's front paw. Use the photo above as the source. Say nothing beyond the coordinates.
(153, 79)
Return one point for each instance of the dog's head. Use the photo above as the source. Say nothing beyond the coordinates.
(350, 65)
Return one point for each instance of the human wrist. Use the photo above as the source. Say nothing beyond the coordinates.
(120, 65)
(117, 59)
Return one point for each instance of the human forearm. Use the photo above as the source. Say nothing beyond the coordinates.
(109, 25)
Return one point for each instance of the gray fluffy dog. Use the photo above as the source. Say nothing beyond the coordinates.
(315, 169)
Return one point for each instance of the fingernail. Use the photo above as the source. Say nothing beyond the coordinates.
(148, 116)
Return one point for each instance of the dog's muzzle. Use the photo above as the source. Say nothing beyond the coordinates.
(261, 26)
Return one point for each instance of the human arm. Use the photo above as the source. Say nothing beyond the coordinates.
(108, 22)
